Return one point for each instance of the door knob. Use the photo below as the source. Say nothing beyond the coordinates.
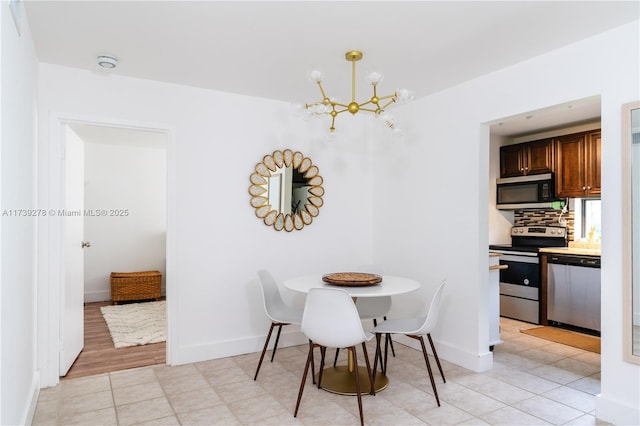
(86, 244)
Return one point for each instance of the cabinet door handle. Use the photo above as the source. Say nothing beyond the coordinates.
(589, 188)
(584, 188)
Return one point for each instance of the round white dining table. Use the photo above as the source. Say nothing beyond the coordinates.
(341, 378)
(390, 286)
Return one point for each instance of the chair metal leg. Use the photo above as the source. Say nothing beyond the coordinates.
(375, 358)
(435, 355)
(426, 359)
(378, 356)
(335, 360)
(386, 354)
(313, 368)
(304, 378)
(357, 376)
(372, 389)
(388, 336)
(266, 343)
(264, 349)
(275, 346)
(323, 351)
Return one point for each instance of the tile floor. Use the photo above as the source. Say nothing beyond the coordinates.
(533, 382)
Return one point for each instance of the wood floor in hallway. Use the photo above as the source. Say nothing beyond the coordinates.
(100, 356)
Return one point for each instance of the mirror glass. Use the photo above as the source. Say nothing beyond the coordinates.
(631, 226)
(286, 190)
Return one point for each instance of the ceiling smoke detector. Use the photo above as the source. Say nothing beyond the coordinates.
(107, 61)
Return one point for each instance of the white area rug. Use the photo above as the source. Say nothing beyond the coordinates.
(136, 323)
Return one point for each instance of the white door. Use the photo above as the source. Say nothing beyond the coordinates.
(72, 309)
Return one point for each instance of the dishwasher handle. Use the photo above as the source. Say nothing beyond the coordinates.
(589, 262)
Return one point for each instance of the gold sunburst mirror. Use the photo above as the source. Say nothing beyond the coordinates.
(286, 190)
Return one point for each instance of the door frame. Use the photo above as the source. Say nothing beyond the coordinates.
(51, 234)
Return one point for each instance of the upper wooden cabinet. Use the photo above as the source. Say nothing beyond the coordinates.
(578, 164)
(529, 158)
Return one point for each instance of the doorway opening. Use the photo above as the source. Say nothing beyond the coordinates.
(123, 226)
(546, 127)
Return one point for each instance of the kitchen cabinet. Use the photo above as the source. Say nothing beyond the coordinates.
(529, 158)
(578, 164)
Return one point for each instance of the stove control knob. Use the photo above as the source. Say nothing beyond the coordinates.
(560, 231)
(553, 231)
(526, 281)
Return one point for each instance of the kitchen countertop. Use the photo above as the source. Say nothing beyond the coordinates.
(571, 250)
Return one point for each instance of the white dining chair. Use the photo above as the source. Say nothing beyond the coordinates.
(277, 311)
(372, 308)
(336, 327)
(415, 328)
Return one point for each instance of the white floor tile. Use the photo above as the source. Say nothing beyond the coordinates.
(532, 382)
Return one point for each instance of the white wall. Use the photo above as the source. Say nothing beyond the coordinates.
(18, 374)
(215, 243)
(445, 233)
(129, 182)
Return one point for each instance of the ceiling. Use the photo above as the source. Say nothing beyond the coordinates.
(267, 49)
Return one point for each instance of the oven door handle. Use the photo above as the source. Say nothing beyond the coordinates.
(521, 259)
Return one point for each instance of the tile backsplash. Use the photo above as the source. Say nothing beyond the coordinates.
(544, 217)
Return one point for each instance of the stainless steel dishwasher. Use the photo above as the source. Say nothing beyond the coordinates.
(573, 290)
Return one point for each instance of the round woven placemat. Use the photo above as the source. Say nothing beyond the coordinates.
(352, 279)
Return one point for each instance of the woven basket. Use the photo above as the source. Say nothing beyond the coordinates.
(135, 285)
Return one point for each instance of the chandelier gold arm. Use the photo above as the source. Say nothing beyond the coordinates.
(346, 107)
(376, 101)
(388, 103)
(370, 110)
(324, 97)
(393, 95)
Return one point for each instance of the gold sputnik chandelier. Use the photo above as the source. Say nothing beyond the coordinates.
(376, 104)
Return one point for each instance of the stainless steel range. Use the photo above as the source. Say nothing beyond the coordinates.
(520, 282)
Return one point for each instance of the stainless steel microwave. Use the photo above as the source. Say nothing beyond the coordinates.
(526, 192)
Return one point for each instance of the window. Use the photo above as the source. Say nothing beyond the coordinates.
(587, 219)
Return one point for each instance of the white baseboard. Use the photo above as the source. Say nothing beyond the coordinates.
(97, 296)
(616, 413)
(204, 352)
(27, 417)
(471, 361)
(102, 295)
